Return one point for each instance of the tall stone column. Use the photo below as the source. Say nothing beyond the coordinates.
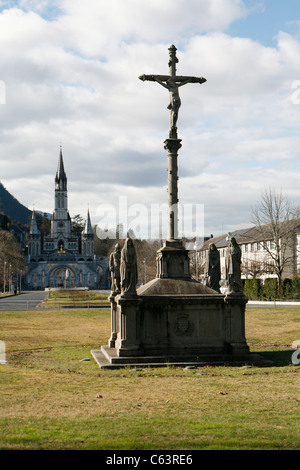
(172, 146)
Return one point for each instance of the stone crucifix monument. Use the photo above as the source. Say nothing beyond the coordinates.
(172, 82)
(174, 319)
(173, 261)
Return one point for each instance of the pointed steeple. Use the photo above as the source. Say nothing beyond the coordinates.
(33, 226)
(88, 226)
(61, 177)
(87, 238)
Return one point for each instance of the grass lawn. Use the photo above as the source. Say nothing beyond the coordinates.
(52, 399)
(76, 298)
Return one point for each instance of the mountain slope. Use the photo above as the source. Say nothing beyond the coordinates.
(11, 207)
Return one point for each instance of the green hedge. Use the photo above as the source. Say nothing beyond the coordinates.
(270, 289)
(254, 289)
(296, 288)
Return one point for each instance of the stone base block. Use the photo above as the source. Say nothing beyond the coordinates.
(107, 358)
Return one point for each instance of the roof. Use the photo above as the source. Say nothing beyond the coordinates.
(221, 240)
(255, 234)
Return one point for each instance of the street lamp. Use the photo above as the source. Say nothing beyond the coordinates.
(4, 287)
(145, 270)
(9, 279)
(196, 260)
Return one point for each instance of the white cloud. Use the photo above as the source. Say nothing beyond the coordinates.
(95, 24)
(74, 79)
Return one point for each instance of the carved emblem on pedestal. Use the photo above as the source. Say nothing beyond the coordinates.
(183, 326)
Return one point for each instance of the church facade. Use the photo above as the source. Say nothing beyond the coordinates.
(63, 258)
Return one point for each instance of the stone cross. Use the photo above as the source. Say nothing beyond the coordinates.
(172, 82)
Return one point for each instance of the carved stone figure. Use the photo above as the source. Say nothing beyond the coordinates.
(175, 101)
(128, 268)
(233, 266)
(114, 266)
(172, 82)
(213, 268)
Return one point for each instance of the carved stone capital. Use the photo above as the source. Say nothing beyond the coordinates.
(172, 145)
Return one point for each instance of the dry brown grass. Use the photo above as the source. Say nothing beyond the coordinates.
(273, 326)
(50, 398)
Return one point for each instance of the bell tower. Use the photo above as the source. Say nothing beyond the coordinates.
(61, 221)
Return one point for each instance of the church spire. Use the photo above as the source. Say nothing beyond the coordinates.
(88, 226)
(61, 177)
(33, 226)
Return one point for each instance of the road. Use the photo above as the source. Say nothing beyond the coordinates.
(24, 301)
(29, 300)
(272, 303)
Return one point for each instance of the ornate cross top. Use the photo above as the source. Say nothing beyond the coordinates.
(172, 82)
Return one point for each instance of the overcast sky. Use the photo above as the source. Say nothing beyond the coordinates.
(69, 75)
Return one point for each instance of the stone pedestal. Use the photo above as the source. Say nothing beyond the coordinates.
(179, 322)
(173, 261)
(235, 306)
(128, 341)
(114, 326)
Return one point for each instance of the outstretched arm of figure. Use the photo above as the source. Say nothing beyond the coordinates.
(161, 83)
(183, 83)
(192, 80)
(153, 78)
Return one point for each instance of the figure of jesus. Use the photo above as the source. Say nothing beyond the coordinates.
(175, 101)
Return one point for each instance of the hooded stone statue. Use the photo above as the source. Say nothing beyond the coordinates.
(233, 266)
(213, 268)
(114, 266)
(128, 268)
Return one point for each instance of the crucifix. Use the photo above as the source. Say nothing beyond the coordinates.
(172, 82)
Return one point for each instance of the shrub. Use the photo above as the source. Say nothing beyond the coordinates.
(252, 289)
(270, 289)
(287, 289)
(296, 288)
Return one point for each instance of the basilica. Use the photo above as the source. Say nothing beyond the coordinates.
(63, 258)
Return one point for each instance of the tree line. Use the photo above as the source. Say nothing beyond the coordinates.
(12, 262)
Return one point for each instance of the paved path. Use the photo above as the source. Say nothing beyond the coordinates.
(24, 301)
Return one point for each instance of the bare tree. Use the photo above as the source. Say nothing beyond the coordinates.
(77, 224)
(12, 263)
(275, 222)
(253, 268)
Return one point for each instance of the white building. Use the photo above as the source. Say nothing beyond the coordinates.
(260, 249)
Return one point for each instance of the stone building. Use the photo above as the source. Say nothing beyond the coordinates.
(63, 258)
